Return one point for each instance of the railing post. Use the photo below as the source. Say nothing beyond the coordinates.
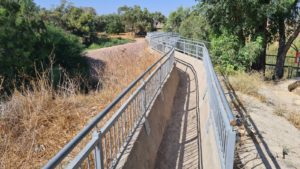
(98, 151)
(230, 150)
(144, 98)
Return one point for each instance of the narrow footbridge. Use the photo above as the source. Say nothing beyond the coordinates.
(175, 115)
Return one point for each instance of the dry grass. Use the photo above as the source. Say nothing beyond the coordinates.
(294, 118)
(280, 111)
(36, 123)
(247, 83)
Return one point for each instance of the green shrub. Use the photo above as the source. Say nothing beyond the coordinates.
(230, 55)
(195, 27)
(67, 51)
(26, 44)
(108, 42)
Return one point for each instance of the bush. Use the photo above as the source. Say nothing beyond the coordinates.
(108, 42)
(228, 52)
(195, 27)
(20, 67)
(67, 51)
(247, 83)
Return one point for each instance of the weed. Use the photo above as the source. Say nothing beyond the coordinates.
(108, 42)
(279, 111)
(247, 83)
(294, 118)
(37, 122)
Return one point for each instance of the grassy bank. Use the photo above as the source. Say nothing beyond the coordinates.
(108, 42)
(36, 123)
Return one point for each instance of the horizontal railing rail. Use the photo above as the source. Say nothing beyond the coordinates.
(102, 143)
(221, 112)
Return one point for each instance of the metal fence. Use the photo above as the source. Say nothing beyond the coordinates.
(291, 68)
(221, 113)
(102, 143)
(104, 140)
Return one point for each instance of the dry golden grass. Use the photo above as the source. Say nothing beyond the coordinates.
(247, 83)
(279, 111)
(36, 123)
(294, 118)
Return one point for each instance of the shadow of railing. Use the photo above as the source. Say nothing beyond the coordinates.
(182, 138)
(251, 128)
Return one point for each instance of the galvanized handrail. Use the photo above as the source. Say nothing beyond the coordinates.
(105, 146)
(221, 113)
(110, 141)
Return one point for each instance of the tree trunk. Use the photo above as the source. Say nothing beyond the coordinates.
(279, 69)
(259, 65)
(284, 48)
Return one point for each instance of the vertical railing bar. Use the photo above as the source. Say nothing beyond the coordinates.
(104, 150)
(117, 139)
(110, 148)
(125, 125)
(135, 109)
(98, 151)
(114, 142)
(122, 130)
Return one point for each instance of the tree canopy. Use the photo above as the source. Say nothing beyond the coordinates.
(249, 22)
(139, 20)
(176, 18)
(27, 42)
(30, 35)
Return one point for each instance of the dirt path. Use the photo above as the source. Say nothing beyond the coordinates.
(179, 148)
(273, 133)
(278, 95)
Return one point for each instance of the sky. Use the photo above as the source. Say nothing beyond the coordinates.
(111, 6)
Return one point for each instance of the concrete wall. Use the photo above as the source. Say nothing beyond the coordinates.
(210, 157)
(142, 151)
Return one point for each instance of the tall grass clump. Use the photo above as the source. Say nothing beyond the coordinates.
(294, 118)
(247, 83)
(37, 121)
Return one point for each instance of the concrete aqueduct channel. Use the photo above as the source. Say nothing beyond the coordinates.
(181, 134)
(176, 118)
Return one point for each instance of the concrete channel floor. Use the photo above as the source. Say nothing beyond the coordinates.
(181, 146)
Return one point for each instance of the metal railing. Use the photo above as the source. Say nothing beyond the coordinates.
(218, 105)
(102, 143)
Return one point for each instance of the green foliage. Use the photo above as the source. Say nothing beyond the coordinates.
(26, 44)
(158, 17)
(137, 20)
(195, 27)
(113, 24)
(108, 42)
(66, 49)
(79, 21)
(20, 33)
(271, 20)
(175, 18)
(231, 56)
(100, 23)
